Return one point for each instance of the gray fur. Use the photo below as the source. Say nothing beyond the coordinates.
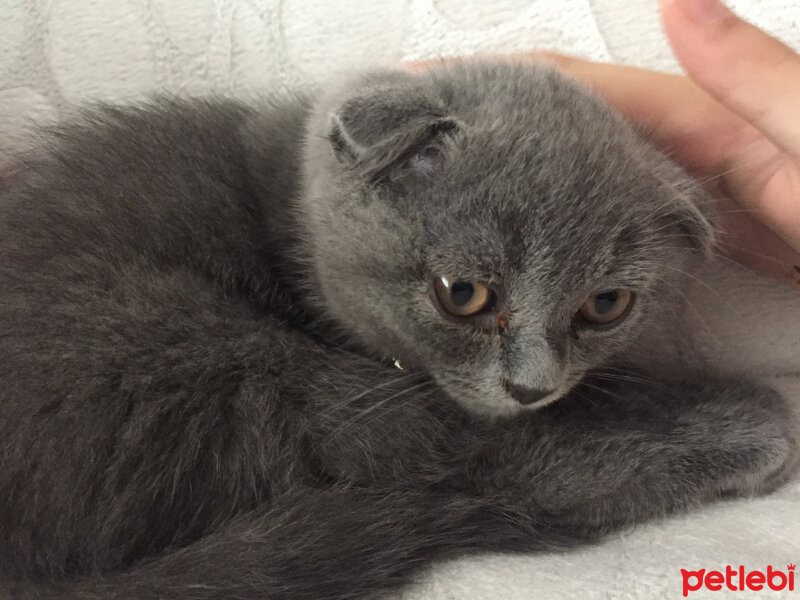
(200, 303)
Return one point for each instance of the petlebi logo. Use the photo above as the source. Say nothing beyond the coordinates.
(739, 579)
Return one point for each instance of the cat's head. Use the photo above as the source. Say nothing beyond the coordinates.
(492, 224)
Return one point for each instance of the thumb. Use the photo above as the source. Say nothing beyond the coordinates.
(751, 73)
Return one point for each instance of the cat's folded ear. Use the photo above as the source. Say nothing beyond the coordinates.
(389, 130)
(694, 220)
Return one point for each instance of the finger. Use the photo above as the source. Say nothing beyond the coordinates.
(749, 72)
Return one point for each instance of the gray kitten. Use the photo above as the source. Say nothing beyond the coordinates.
(201, 302)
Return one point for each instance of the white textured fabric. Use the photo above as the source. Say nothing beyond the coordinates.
(57, 52)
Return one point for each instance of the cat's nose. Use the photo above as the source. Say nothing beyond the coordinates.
(525, 395)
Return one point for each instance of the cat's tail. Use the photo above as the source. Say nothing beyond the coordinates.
(322, 545)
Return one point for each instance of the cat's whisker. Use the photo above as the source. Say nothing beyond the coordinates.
(357, 417)
(740, 249)
(691, 305)
(611, 376)
(671, 224)
(679, 236)
(741, 166)
(733, 211)
(604, 391)
(347, 402)
(691, 276)
(584, 397)
(398, 406)
(757, 254)
(649, 381)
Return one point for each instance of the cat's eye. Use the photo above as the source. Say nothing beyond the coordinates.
(461, 297)
(606, 307)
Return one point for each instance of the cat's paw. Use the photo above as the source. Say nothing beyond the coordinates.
(785, 465)
(666, 449)
(760, 433)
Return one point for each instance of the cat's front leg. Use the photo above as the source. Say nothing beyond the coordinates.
(613, 455)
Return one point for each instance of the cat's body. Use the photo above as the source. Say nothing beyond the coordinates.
(193, 401)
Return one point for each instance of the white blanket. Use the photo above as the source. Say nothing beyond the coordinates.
(57, 52)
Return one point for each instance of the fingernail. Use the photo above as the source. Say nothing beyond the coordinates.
(701, 11)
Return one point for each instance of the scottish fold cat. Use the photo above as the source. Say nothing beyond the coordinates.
(204, 305)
